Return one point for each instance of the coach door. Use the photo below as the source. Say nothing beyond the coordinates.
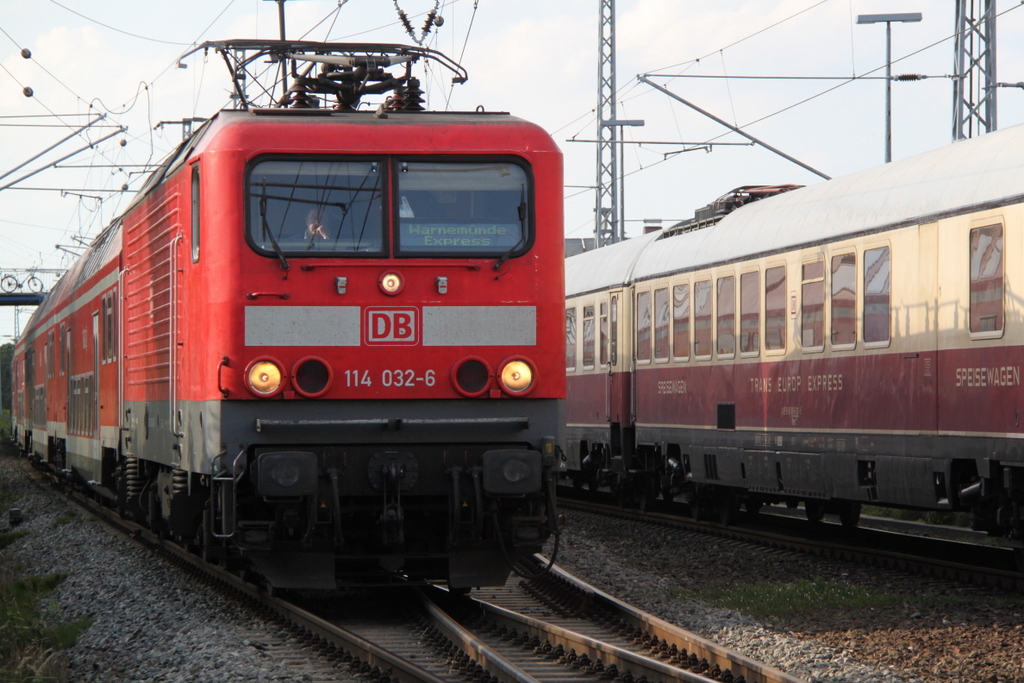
(619, 385)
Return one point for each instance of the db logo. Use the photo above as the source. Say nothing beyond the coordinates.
(391, 326)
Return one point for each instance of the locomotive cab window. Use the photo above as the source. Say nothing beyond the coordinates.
(987, 281)
(306, 207)
(462, 209)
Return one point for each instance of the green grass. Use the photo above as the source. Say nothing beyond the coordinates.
(10, 537)
(762, 600)
(960, 519)
(29, 646)
(66, 518)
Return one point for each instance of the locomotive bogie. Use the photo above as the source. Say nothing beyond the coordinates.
(817, 347)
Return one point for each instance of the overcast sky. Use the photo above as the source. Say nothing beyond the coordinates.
(537, 59)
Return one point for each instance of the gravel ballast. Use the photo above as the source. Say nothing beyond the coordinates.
(936, 632)
(153, 622)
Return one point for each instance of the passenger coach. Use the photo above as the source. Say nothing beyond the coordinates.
(857, 341)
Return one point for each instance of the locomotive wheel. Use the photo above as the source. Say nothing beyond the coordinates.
(815, 510)
(849, 515)
(752, 506)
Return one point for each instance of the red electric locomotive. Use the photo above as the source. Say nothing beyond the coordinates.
(859, 341)
(322, 340)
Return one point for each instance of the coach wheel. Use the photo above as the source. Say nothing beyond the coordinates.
(700, 503)
(8, 283)
(728, 506)
(815, 510)
(666, 494)
(752, 506)
(849, 515)
(648, 492)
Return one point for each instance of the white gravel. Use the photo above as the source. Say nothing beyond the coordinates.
(151, 621)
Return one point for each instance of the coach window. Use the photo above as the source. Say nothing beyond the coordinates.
(876, 296)
(844, 301)
(50, 355)
(681, 322)
(987, 280)
(63, 354)
(110, 327)
(725, 329)
(643, 327)
(588, 337)
(463, 209)
(750, 314)
(603, 332)
(315, 207)
(775, 309)
(570, 339)
(812, 312)
(702, 319)
(195, 213)
(661, 344)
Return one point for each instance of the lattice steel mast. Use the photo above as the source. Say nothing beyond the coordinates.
(609, 213)
(974, 88)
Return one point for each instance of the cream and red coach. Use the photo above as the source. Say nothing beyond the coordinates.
(326, 340)
(857, 341)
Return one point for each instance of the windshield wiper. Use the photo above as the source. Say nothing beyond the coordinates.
(521, 210)
(268, 233)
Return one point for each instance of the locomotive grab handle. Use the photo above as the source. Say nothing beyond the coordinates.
(224, 363)
(279, 295)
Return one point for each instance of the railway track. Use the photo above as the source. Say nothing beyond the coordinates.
(956, 560)
(554, 628)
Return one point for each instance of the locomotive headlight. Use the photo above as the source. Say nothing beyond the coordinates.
(515, 471)
(391, 283)
(264, 378)
(285, 474)
(511, 472)
(517, 376)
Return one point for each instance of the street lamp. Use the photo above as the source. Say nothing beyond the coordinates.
(888, 19)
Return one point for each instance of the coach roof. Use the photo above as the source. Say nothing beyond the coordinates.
(965, 176)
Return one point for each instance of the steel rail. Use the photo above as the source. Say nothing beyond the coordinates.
(833, 548)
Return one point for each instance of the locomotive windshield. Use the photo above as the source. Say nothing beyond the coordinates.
(305, 208)
(461, 209)
(308, 207)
